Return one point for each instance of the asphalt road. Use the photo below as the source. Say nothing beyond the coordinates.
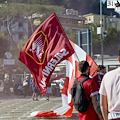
(15, 107)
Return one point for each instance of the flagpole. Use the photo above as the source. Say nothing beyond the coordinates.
(101, 25)
(77, 56)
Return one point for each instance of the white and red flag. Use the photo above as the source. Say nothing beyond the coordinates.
(47, 47)
(72, 72)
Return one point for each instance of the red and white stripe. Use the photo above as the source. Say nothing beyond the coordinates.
(72, 72)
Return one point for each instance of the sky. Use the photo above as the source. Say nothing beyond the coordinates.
(103, 0)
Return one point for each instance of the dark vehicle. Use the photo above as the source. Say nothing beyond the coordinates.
(55, 89)
(18, 85)
(18, 89)
(6, 86)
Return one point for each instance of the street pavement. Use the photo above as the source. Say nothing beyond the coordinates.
(15, 107)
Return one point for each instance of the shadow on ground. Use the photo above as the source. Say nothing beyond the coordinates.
(73, 117)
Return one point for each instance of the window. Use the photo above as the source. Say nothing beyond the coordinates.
(89, 19)
(21, 36)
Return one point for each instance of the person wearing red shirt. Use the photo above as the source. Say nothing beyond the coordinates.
(91, 90)
(98, 77)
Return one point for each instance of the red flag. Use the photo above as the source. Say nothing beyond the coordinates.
(72, 72)
(47, 47)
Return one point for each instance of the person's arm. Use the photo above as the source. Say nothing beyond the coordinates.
(104, 106)
(96, 106)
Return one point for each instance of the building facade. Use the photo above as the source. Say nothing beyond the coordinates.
(19, 30)
(108, 21)
(71, 20)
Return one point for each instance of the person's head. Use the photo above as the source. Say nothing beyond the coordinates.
(101, 69)
(84, 67)
(119, 54)
(27, 77)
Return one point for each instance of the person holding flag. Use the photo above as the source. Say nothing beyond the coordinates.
(35, 90)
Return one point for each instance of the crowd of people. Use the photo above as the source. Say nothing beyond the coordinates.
(26, 87)
(103, 92)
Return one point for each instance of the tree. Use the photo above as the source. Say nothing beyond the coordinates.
(71, 34)
(82, 6)
(8, 16)
(112, 41)
(4, 44)
(96, 40)
(15, 12)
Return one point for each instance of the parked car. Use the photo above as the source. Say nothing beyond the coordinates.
(18, 89)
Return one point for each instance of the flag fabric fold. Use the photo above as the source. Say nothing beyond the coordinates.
(47, 47)
(72, 72)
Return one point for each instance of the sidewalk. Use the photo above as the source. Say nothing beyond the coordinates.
(15, 107)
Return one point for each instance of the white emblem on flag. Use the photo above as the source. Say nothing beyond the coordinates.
(38, 47)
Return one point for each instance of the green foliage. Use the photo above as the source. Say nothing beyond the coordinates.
(21, 44)
(111, 41)
(3, 1)
(80, 5)
(96, 40)
(71, 34)
(22, 11)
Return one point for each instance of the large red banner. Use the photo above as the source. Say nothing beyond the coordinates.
(47, 47)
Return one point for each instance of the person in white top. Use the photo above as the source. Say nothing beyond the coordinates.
(110, 94)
